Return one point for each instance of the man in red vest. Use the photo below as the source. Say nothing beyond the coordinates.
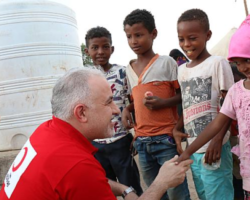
(57, 162)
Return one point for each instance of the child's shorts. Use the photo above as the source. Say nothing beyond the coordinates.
(214, 184)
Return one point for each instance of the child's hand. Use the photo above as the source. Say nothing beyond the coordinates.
(213, 152)
(127, 119)
(153, 102)
(182, 157)
(178, 136)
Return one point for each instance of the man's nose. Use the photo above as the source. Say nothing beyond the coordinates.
(115, 109)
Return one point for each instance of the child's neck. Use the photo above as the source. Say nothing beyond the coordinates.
(146, 56)
(106, 67)
(142, 61)
(247, 84)
(203, 56)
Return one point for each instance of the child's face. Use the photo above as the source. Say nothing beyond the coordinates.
(100, 50)
(237, 77)
(193, 38)
(243, 66)
(139, 38)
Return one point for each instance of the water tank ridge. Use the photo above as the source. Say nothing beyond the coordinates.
(29, 49)
(22, 120)
(28, 84)
(17, 15)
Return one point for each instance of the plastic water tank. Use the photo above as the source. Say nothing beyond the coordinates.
(38, 43)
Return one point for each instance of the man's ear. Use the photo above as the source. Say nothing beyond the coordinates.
(112, 49)
(86, 51)
(80, 113)
(154, 33)
(209, 35)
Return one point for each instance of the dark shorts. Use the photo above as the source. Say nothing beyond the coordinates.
(118, 163)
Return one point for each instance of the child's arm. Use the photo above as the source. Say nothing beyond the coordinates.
(128, 112)
(154, 102)
(126, 116)
(213, 152)
(225, 80)
(178, 135)
(207, 134)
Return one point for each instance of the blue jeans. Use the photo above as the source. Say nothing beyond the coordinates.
(214, 184)
(153, 152)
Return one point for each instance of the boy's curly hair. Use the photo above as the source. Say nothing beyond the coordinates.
(140, 16)
(97, 32)
(195, 14)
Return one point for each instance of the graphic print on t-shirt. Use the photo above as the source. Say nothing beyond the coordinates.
(196, 102)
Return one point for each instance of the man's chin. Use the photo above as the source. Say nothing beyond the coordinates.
(110, 134)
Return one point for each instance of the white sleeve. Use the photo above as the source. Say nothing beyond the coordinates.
(225, 75)
(129, 89)
(174, 73)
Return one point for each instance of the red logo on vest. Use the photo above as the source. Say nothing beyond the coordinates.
(25, 154)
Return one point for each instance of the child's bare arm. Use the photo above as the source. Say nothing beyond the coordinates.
(126, 116)
(154, 102)
(178, 135)
(207, 134)
(213, 152)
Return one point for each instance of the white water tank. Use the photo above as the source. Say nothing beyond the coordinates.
(38, 43)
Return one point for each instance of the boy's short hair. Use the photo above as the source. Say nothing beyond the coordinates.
(195, 14)
(140, 16)
(97, 32)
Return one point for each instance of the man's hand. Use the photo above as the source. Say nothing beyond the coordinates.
(182, 157)
(127, 119)
(171, 174)
(213, 151)
(178, 136)
(153, 102)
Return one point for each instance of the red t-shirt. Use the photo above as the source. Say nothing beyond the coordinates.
(57, 162)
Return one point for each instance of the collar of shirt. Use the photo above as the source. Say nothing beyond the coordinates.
(74, 134)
